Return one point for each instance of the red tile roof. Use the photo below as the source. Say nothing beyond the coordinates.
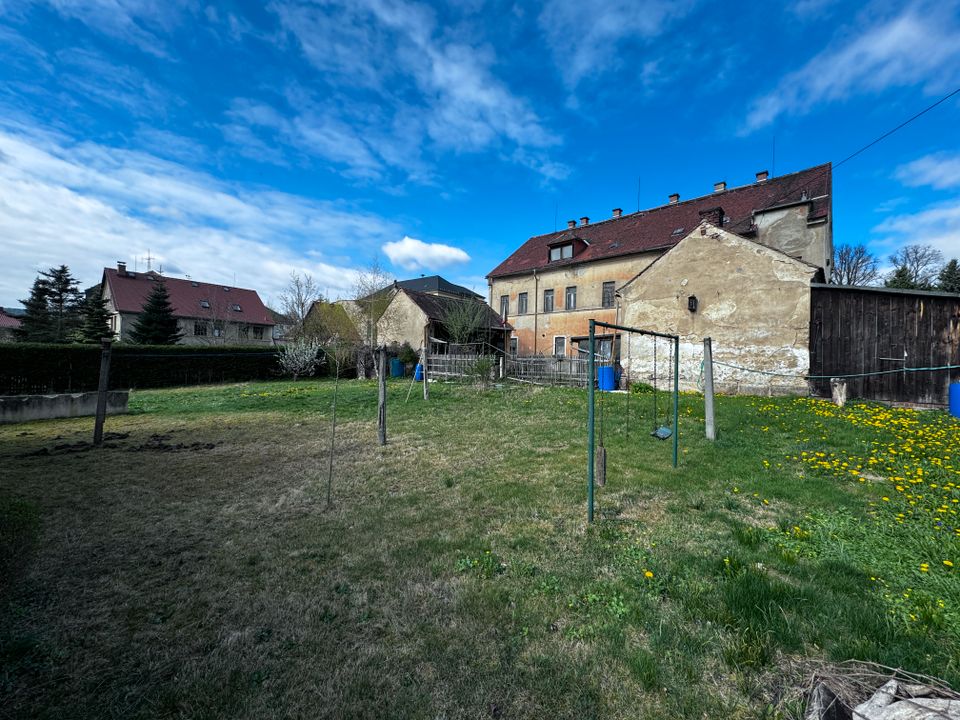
(8, 321)
(130, 291)
(662, 227)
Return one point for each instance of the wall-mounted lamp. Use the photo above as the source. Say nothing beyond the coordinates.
(692, 303)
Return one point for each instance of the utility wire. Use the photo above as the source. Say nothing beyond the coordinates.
(830, 377)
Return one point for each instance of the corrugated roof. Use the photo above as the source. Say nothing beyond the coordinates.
(663, 227)
(437, 306)
(130, 291)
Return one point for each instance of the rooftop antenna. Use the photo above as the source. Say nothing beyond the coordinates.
(638, 193)
(149, 260)
(773, 160)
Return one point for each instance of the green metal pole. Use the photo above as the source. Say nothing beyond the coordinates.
(676, 398)
(590, 397)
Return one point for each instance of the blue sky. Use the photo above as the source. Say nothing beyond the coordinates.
(239, 141)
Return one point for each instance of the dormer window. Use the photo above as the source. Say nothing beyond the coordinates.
(561, 252)
(235, 307)
(205, 304)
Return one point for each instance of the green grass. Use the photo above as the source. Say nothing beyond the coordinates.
(455, 575)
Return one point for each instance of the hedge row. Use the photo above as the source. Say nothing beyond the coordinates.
(29, 368)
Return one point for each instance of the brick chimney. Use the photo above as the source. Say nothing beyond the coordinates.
(571, 224)
(121, 268)
(714, 216)
(674, 198)
(762, 176)
(720, 186)
(617, 212)
(584, 220)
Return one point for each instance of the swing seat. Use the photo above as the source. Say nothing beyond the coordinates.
(662, 433)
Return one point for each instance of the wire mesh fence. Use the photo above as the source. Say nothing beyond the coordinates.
(549, 370)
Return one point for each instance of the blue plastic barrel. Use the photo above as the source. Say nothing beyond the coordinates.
(396, 367)
(955, 399)
(418, 372)
(606, 378)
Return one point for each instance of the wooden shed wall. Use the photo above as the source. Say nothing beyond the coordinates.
(862, 330)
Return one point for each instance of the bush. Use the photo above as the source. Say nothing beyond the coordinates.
(33, 368)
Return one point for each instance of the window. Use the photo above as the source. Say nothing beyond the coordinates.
(561, 252)
(205, 303)
(504, 306)
(608, 292)
(570, 298)
(258, 333)
(235, 307)
(243, 332)
(199, 328)
(514, 346)
(218, 328)
(560, 346)
(522, 304)
(548, 301)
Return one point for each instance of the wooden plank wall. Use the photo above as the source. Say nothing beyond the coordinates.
(858, 330)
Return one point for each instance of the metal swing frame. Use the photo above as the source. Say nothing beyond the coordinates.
(592, 392)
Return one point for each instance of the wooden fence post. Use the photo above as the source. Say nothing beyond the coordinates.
(708, 388)
(382, 397)
(105, 344)
(426, 360)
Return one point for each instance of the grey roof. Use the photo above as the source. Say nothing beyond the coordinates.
(436, 307)
(435, 283)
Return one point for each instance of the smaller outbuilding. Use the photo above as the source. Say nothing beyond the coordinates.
(9, 322)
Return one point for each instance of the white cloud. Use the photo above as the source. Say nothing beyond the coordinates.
(413, 254)
(939, 170)
(137, 22)
(937, 225)
(87, 205)
(399, 86)
(585, 35)
(921, 45)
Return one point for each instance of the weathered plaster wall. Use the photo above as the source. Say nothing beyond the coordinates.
(535, 329)
(786, 229)
(753, 301)
(402, 321)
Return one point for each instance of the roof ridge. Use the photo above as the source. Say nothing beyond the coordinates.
(716, 193)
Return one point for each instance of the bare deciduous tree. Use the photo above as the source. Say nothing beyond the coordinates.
(465, 319)
(918, 264)
(854, 265)
(301, 292)
(373, 291)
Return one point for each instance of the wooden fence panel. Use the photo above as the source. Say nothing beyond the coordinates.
(864, 330)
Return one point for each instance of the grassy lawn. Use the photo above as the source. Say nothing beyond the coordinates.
(191, 568)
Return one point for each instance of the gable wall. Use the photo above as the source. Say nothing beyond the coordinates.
(402, 321)
(753, 302)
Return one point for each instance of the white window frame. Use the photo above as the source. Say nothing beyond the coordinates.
(560, 337)
(504, 306)
(523, 303)
(553, 300)
(567, 305)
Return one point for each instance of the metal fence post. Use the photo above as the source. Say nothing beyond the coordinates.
(105, 345)
(590, 440)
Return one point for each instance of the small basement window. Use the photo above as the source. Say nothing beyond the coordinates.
(561, 252)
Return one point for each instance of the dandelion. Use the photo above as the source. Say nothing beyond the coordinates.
(647, 574)
(924, 567)
(948, 563)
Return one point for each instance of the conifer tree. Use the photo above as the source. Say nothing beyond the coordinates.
(949, 278)
(35, 325)
(95, 321)
(64, 302)
(901, 278)
(156, 324)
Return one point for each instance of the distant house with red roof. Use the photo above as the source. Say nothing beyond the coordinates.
(206, 313)
(8, 323)
(553, 284)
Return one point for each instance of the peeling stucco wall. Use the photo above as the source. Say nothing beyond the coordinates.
(402, 321)
(753, 301)
(787, 229)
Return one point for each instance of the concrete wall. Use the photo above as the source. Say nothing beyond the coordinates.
(753, 301)
(536, 330)
(402, 321)
(23, 408)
